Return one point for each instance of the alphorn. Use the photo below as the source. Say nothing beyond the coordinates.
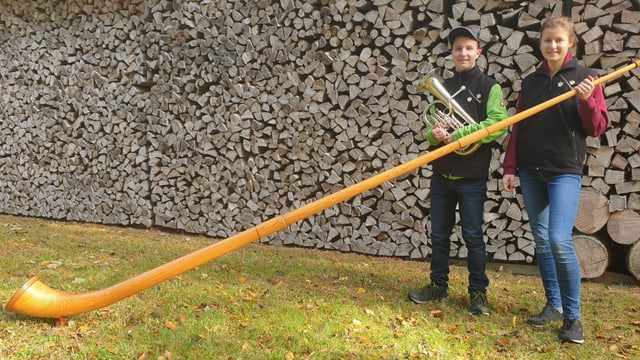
(38, 300)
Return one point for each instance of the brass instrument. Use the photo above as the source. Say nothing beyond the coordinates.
(443, 111)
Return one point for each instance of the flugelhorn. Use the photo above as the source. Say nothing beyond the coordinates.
(444, 111)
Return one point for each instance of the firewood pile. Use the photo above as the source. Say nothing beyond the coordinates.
(211, 117)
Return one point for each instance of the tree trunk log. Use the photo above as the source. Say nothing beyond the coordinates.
(593, 255)
(623, 227)
(593, 211)
(633, 260)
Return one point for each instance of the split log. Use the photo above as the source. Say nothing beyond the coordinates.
(593, 255)
(617, 203)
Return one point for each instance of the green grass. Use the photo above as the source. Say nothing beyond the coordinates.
(268, 302)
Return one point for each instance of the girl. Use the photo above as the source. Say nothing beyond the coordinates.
(548, 151)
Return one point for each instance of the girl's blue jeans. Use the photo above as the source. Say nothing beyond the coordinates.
(551, 201)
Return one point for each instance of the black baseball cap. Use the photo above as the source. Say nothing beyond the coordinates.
(462, 31)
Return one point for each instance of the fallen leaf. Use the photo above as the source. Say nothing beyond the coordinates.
(170, 325)
(362, 290)
(52, 265)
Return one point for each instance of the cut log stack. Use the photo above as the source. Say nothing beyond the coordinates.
(211, 117)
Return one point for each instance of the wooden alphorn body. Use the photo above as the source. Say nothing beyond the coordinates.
(36, 299)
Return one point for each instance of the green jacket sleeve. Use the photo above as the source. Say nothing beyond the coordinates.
(496, 111)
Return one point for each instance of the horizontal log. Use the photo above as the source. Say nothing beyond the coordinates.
(633, 260)
(623, 227)
(593, 255)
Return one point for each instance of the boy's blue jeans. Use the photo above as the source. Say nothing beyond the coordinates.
(551, 201)
(470, 195)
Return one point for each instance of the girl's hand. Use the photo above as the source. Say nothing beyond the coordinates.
(585, 88)
(509, 182)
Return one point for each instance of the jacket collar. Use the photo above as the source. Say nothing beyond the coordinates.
(460, 78)
(569, 62)
(468, 74)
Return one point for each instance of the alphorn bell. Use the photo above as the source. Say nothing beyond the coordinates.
(36, 299)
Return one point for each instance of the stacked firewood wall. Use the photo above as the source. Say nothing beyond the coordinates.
(212, 117)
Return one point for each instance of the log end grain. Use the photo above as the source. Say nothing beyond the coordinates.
(593, 211)
(633, 260)
(593, 255)
(623, 227)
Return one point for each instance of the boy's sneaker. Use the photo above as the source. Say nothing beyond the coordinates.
(571, 331)
(429, 293)
(478, 304)
(548, 315)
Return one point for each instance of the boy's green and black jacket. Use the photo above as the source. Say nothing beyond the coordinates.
(483, 101)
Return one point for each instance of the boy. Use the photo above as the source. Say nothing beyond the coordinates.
(461, 180)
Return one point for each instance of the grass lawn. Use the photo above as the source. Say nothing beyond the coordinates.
(269, 302)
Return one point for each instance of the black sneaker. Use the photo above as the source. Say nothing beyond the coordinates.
(429, 293)
(571, 331)
(548, 315)
(478, 304)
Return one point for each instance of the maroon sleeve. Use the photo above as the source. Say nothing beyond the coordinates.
(509, 165)
(593, 113)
